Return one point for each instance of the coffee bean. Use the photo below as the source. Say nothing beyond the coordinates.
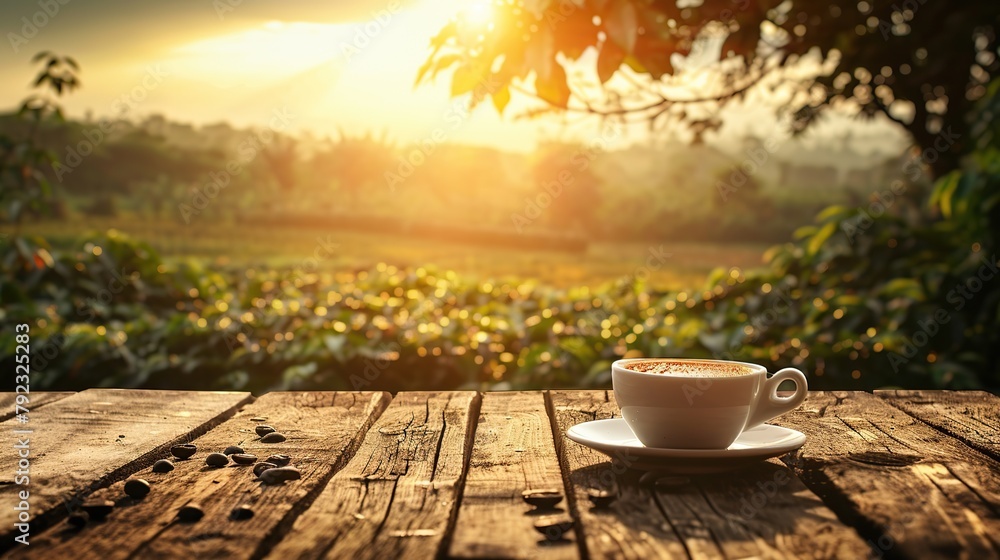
(78, 519)
(601, 498)
(98, 509)
(279, 459)
(190, 513)
(241, 513)
(542, 498)
(261, 467)
(137, 488)
(279, 475)
(263, 430)
(273, 437)
(243, 458)
(162, 466)
(553, 527)
(216, 460)
(184, 450)
(233, 450)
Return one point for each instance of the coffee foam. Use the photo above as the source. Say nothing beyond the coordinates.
(691, 369)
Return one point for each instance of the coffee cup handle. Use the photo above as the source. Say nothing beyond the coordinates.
(769, 404)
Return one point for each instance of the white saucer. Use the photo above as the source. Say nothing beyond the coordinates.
(614, 438)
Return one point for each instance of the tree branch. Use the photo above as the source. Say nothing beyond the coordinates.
(659, 106)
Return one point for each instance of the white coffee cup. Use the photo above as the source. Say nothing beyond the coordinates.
(699, 404)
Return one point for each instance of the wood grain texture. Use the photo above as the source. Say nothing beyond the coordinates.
(323, 429)
(98, 436)
(909, 489)
(760, 512)
(634, 526)
(397, 497)
(37, 399)
(513, 451)
(971, 416)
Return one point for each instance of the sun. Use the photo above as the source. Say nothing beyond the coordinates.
(478, 13)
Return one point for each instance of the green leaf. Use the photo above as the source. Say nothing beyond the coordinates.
(820, 237)
(943, 193)
(835, 211)
(904, 287)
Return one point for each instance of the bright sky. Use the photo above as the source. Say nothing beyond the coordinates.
(331, 65)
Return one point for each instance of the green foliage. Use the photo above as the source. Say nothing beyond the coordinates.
(23, 184)
(114, 314)
(882, 58)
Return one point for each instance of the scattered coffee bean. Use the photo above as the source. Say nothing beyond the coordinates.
(263, 430)
(162, 466)
(553, 527)
(601, 498)
(190, 513)
(243, 458)
(542, 499)
(233, 450)
(137, 488)
(184, 450)
(261, 467)
(279, 475)
(216, 460)
(241, 513)
(78, 519)
(273, 437)
(279, 459)
(98, 509)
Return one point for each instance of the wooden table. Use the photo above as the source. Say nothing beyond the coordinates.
(893, 474)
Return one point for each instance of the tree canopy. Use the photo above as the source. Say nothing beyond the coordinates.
(921, 64)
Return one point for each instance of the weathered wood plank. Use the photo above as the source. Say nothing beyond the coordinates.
(763, 511)
(97, 436)
(971, 416)
(633, 527)
(37, 399)
(397, 497)
(911, 490)
(323, 431)
(513, 451)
